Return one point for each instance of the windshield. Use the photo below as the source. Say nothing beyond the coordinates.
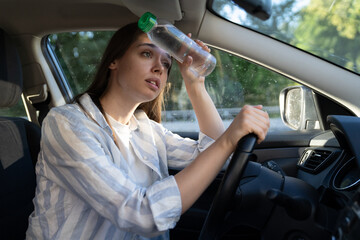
(329, 29)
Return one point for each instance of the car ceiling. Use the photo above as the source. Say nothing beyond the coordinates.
(41, 17)
(28, 21)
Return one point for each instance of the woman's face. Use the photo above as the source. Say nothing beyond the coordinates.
(141, 73)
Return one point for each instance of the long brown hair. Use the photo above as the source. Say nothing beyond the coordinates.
(118, 45)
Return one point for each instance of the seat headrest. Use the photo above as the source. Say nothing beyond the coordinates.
(10, 72)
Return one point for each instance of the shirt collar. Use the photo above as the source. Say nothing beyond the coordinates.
(134, 123)
(92, 111)
(95, 114)
(132, 126)
(139, 123)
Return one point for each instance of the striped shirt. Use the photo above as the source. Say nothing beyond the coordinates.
(89, 188)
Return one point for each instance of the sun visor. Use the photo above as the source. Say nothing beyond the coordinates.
(167, 9)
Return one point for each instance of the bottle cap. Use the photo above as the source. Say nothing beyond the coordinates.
(147, 21)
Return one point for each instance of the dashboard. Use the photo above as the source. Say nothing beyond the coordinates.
(332, 166)
(322, 201)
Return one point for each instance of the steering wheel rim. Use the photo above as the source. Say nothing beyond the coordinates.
(227, 188)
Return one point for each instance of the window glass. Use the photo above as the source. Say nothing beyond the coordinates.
(327, 29)
(17, 110)
(78, 54)
(233, 83)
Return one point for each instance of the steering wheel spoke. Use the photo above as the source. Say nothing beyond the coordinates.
(227, 188)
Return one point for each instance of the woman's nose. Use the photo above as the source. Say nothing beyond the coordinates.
(158, 66)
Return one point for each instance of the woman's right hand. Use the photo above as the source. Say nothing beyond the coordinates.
(202, 171)
(251, 119)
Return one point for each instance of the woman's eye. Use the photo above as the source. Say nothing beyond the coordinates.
(166, 65)
(146, 54)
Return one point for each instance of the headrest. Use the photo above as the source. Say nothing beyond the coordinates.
(10, 72)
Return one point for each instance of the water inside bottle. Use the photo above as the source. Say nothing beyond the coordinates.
(179, 48)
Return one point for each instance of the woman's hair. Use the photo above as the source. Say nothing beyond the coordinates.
(118, 45)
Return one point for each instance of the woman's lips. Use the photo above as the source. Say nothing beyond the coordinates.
(154, 83)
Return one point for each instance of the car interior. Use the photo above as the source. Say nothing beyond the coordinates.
(301, 182)
(20, 144)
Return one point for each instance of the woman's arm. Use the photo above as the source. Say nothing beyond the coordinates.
(209, 120)
(75, 156)
(195, 178)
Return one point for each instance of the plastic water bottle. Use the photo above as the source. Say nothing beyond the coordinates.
(166, 36)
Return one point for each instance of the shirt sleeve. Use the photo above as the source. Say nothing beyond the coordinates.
(182, 151)
(74, 157)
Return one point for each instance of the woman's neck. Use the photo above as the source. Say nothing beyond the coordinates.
(119, 109)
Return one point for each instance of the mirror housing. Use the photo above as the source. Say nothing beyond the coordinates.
(258, 8)
(297, 108)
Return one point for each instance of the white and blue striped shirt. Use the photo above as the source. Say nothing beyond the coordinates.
(85, 186)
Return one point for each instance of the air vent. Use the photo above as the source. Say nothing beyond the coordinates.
(314, 160)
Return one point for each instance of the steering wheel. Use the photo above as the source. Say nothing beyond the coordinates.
(227, 188)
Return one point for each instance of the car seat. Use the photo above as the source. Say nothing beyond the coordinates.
(19, 147)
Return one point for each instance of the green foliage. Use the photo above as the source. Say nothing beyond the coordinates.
(334, 27)
(329, 29)
(326, 28)
(233, 83)
(79, 53)
(17, 110)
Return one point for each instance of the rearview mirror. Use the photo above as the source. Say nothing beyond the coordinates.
(258, 8)
(297, 108)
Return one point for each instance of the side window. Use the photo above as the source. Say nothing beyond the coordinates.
(234, 82)
(17, 110)
(78, 54)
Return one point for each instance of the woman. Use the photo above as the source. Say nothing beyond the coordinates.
(102, 169)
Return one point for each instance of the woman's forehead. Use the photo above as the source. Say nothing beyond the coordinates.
(143, 40)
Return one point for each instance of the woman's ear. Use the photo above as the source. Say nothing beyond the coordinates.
(113, 65)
